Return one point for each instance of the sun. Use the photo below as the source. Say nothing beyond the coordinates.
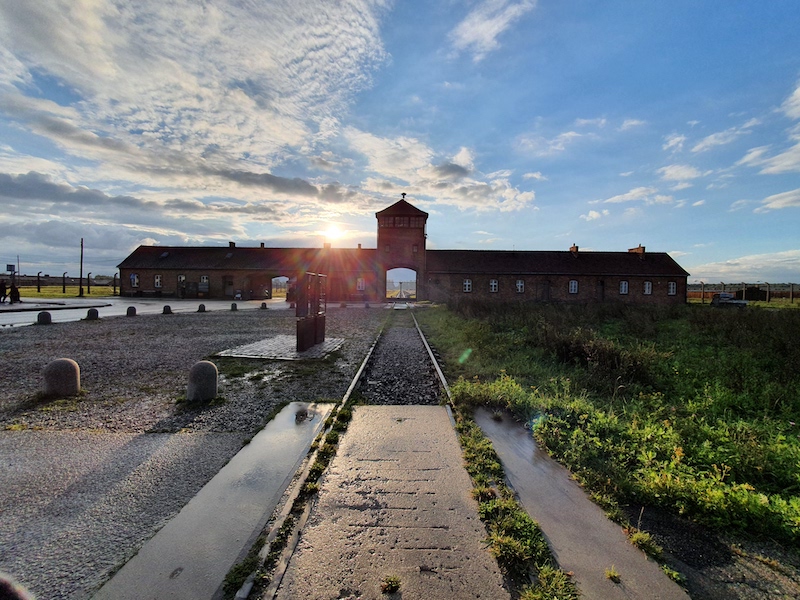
(333, 232)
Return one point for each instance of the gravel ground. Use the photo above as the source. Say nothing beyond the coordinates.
(84, 483)
(399, 371)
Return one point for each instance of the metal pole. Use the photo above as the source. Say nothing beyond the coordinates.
(768, 294)
(64, 283)
(89, 283)
(702, 293)
(39, 282)
(115, 285)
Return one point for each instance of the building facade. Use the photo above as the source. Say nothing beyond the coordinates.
(359, 274)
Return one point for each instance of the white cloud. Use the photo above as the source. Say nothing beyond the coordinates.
(593, 215)
(739, 205)
(722, 138)
(407, 162)
(537, 176)
(699, 203)
(541, 146)
(599, 123)
(636, 194)
(479, 30)
(790, 199)
(679, 172)
(681, 186)
(777, 267)
(631, 124)
(674, 142)
(791, 106)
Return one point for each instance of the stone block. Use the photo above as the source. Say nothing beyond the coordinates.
(62, 377)
(92, 314)
(44, 318)
(233, 306)
(201, 308)
(167, 310)
(131, 312)
(203, 377)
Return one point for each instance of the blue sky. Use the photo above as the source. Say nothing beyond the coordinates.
(516, 124)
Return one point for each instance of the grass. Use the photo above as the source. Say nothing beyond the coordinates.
(390, 584)
(514, 539)
(72, 291)
(688, 408)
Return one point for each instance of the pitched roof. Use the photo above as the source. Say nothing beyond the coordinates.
(552, 263)
(230, 258)
(403, 208)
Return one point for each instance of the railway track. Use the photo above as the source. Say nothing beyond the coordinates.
(402, 369)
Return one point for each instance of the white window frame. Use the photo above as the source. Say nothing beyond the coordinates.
(467, 286)
(203, 278)
(520, 286)
(573, 286)
(648, 288)
(134, 280)
(361, 284)
(157, 281)
(672, 288)
(494, 286)
(623, 287)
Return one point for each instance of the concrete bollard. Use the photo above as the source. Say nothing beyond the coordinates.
(92, 314)
(62, 377)
(366, 304)
(131, 312)
(44, 318)
(234, 307)
(167, 310)
(263, 306)
(201, 308)
(202, 382)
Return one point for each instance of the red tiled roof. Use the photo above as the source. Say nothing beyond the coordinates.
(552, 263)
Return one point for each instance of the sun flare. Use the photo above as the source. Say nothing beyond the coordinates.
(333, 233)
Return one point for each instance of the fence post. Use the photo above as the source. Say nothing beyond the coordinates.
(702, 293)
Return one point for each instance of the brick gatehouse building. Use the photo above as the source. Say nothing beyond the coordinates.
(359, 274)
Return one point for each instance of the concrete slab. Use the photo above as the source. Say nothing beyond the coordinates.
(190, 556)
(283, 347)
(395, 501)
(583, 540)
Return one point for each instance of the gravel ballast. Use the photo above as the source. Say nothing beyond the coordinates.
(85, 482)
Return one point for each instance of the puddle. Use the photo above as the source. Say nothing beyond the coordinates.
(190, 556)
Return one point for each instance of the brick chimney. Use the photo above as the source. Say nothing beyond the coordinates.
(574, 250)
(638, 250)
(231, 244)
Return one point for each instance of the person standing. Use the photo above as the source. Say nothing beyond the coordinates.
(14, 294)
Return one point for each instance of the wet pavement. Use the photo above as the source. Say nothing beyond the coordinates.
(581, 537)
(190, 556)
(396, 501)
(76, 309)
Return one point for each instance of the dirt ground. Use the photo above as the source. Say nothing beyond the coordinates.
(721, 567)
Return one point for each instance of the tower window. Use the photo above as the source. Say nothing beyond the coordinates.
(467, 286)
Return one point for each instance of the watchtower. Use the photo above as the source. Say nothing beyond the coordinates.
(401, 241)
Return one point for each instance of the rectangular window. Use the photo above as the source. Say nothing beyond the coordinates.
(648, 288)
(401, 221)
(520, 286)
(493, 285)
(361, 285)
(672, 288)
(623, 287)
(418, 222)
(134, 280)
(467, 286)
(414, 248)
(203, 278)
(157, 281)
(573, 286)
(181, 278)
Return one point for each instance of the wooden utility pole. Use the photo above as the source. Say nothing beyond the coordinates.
(80, 279)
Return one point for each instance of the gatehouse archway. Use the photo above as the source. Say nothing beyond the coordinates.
(401, 284)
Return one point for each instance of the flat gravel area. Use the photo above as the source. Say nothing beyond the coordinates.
(400, 371)
(85, 482)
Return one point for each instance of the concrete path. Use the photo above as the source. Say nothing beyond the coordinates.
(395, 501)
(190, 556)
(583, 540)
